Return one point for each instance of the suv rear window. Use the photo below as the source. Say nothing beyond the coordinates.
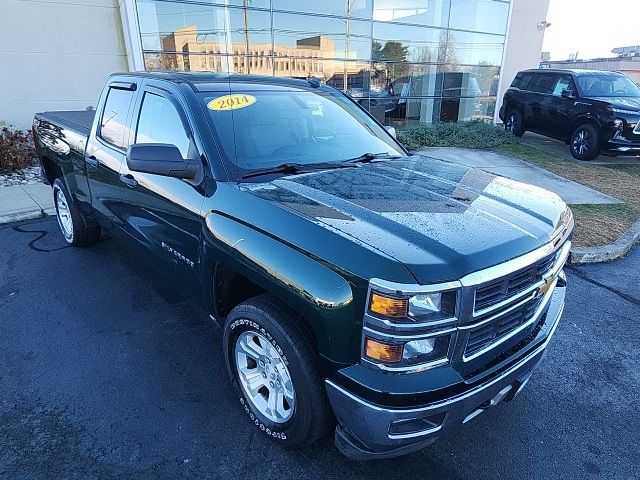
(544, 83)
(523, 81)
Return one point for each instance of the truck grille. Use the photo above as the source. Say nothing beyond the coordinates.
(507, 304)
(511, 285)
(492, 331)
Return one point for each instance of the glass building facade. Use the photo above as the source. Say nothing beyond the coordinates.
(407, 61)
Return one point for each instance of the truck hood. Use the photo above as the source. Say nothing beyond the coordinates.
(441, 220)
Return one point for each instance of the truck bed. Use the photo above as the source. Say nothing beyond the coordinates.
(79, 121)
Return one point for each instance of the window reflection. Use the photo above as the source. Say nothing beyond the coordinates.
(488, 16)
(322, 37)
(341, 8)
(408, 62)
(431, 13)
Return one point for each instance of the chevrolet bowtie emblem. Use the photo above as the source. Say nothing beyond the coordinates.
(544, 288)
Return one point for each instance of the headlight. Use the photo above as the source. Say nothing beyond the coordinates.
(417, 308)
(425, 303)
(618, 123)
(426, 350)
(415, 352)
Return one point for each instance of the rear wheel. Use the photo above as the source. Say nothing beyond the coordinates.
(584, 143)
(273, 365)
(513, 123)
(71, 221)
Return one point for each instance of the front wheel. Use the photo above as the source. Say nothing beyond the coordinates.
(584, 143)
(274, 368)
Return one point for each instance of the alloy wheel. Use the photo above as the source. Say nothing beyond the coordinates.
(582, 142)
(64, 215)
(264, 377)
(512, 124)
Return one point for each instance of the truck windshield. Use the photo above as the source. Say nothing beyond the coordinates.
(263, 129)
(607, 85)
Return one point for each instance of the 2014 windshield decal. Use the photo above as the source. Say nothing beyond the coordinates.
(231, 102)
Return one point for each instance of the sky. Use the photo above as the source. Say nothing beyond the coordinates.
(591, 27)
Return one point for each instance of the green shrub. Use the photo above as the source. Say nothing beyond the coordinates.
(475, 134)
(16, 149)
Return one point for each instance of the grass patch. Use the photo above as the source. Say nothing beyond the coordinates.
(595, 224)
(630, 169)
(476, 134)
(602, 223)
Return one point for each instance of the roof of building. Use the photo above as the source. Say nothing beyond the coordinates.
(616, 63)
(575, 71)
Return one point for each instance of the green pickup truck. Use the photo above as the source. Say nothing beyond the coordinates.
(358, 286)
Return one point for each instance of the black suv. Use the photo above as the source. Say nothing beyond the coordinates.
(592, 111)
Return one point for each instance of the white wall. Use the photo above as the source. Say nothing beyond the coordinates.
(55, 55)
(524, 41)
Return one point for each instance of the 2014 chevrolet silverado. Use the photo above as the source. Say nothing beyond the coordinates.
(356, 284)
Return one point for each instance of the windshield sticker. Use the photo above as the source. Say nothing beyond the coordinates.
(231, 102)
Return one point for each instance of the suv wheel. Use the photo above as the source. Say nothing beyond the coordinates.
(513, 123)
(72, 223)
(274, 369)
(584, 143)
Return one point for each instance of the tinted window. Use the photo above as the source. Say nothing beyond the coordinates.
(563, 83)
(159, 122)
(114, 117)
(607, 85)
(544, 83)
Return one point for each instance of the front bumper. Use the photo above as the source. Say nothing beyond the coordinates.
(367, 430)
(623, 147)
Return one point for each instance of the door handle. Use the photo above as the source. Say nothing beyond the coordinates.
(92, 160)
(128, 180)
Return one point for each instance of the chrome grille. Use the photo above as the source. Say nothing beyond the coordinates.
(507, 305)
(493, 331)
(511, 285)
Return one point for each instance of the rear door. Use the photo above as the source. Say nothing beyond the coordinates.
(523, 96)
(561, 109)
(105, 152)
(163, 214)
(541, 102)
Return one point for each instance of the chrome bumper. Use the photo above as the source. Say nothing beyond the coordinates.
(367, 430)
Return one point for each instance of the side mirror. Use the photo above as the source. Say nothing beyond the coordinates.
(392, 131)
(567, 94)
(160, 159)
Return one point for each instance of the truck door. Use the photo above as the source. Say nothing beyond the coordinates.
(163, 213)
(105, 153)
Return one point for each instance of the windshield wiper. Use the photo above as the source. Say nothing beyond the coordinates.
(368, 157)
(294, 168)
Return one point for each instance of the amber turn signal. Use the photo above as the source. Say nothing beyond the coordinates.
(387, 306)
(382, 352)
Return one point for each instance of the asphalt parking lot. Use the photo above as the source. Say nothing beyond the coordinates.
(107, 373)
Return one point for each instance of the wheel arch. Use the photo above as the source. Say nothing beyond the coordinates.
(256, 263)
(583, 120)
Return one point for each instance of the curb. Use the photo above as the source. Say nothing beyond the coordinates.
(606, 253)
(19, 217)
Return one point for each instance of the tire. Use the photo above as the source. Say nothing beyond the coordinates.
(583, 143)
(73, 224)
(513, 122)
(263, 322)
